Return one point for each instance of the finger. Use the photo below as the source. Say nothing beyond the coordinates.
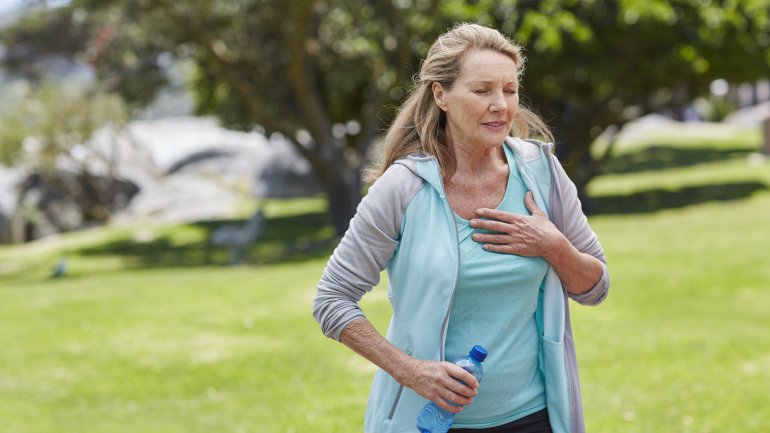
(529, 202)
(448, 406)
(460, 392)
(495, 214)
(456, 399)
(463, 379)
(491, 225)
(489, 238)
(503, 248)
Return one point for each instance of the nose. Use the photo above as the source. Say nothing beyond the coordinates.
(498, 103)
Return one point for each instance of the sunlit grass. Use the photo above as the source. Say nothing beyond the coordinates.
(683, 342)
(168, 342)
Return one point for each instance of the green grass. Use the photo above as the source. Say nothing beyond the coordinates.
(149, 332)
(683, 342)
(172, 350)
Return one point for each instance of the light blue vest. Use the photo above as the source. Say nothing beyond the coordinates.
(423, 273)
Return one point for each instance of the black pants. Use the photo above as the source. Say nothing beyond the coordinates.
(534, 423)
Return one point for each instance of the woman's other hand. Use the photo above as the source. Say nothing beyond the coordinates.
(531, 236)
(444, 383)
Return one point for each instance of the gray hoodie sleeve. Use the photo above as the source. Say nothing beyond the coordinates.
(355, 266)
(574, 225)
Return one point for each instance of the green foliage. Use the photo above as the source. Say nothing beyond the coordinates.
(596, 63)
(12, 134)
(51, 132)
(39, 39)
(714, 108)
(329, 74)
(54, 120)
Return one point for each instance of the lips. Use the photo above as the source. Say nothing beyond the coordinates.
(494, 124)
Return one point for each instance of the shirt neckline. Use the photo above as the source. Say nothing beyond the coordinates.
(511, 176)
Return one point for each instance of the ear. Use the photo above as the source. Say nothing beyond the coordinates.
(438, 95)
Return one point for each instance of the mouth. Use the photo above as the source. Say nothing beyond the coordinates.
(498, 124)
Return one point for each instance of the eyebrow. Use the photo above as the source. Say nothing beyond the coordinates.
(491, 82)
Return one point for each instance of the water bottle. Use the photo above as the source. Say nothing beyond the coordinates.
(434, 419)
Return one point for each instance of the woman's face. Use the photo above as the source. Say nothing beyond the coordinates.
(482, 102)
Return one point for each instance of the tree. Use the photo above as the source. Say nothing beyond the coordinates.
(597, 64)
(328, 74)
(52, 135)
(325, 75)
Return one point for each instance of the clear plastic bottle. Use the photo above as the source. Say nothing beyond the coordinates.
(432, 418)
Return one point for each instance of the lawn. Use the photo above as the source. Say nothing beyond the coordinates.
(149, 332)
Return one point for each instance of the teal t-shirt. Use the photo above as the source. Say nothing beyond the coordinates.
(494, 306)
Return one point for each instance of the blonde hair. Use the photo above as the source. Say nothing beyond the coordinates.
(419, 124)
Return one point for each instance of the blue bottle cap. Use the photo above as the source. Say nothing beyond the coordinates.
(478, 353)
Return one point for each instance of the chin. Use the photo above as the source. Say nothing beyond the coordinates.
(495, 141)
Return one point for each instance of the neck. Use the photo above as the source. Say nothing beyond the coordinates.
(475, 160)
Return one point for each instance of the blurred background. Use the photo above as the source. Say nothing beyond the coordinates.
(174, 175)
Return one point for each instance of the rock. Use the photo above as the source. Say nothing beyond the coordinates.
(183, 197)
(10, 178)
(184, 169)
(750, 116)
(265, 167)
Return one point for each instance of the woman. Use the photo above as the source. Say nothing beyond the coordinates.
(483, 238)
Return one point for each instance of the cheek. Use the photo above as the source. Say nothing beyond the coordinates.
(467, 101)
(513, 104)
(458, 119)
(469, 108)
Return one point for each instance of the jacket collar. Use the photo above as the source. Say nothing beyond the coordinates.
(426, 166)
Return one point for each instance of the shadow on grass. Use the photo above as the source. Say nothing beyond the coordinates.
(310, 236)
(660, 199)
(284, 239)
(658, 157)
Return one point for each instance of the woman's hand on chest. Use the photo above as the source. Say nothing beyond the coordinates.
(525, 235)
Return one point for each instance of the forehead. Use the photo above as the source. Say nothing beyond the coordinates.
(487, 65)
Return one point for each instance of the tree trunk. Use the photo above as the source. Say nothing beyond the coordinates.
(342, 185)
(574, 142)
(574, 157)
(574, 153)
(766, 129)
(343, 196)
(343, 191)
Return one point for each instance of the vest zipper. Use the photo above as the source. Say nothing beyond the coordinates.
(450, 215)
(398, 396)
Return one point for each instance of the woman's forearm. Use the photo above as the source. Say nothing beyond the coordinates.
(578, 272)
(444, 383)
(361, 336)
